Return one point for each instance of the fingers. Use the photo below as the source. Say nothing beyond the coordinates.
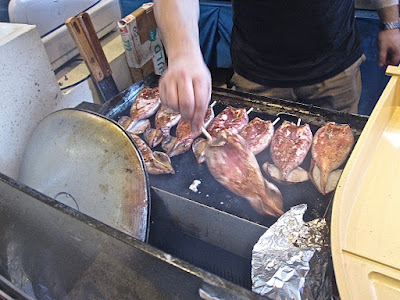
(393, 58)
(169, 93)
(382, 56)
(202, 93)
(186, 98)
(189, 95)
(389, 47)
(388, 56)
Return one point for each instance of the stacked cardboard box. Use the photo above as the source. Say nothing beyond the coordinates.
(142, 41)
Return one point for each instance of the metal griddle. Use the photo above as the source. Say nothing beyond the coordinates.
(213, 194)
(199, 243)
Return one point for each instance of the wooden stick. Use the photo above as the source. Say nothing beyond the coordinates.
(250, 110)
(298, 121)
(213, 104)
(205, 132)
(276, 121)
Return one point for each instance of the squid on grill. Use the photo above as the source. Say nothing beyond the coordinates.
(289, 147)
(234, 165)
(145, 105)
(331, 147)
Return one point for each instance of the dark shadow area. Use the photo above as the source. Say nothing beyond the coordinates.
(4, 11)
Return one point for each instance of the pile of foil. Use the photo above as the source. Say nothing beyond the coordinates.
(291, 260)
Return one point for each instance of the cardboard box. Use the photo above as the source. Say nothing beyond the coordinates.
(143, 46)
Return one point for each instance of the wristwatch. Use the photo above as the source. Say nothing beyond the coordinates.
(390, 25)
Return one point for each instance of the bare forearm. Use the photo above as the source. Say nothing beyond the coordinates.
(186, 84)
(389, 13)
(178, 23)
(378, 4)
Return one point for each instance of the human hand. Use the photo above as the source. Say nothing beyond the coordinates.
(186, 87)
(389, 47)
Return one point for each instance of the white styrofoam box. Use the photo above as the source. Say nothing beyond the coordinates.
(45, 14)
(58, 42)
(29, 91)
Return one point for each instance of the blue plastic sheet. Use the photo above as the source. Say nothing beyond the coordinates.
(215, 27)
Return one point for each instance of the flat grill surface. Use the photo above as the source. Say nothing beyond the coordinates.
(212, 193)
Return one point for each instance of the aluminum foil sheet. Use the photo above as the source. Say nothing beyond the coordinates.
(291, 260)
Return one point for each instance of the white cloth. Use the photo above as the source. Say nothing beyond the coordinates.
(383, 3)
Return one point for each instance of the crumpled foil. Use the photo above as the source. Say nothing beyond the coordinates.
(291, 260)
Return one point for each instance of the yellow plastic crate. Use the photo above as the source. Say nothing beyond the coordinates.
(366, 209)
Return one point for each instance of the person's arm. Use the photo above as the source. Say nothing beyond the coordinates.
(388, 39)
(186, 84)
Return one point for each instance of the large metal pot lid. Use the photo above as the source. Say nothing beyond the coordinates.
(90, 163)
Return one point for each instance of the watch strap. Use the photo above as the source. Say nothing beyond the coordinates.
(390, 25)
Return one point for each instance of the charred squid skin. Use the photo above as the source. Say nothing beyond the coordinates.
(185, 136)
(153, 137)
(166, 118)
(181, 147)
(258, 134)
(145, 105)
(332, 181)
(289, 146)
(295, 176)
(168, 143)
(162, 163)
(124, 121)
(234, 165)
(274, 200)
(331, 146)
(156, 162)
(198, 147)
(233, 119)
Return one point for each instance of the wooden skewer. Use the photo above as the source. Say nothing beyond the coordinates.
(213, 104)
(205, 132)
(298, 121)
(276, 121)
(250, 110)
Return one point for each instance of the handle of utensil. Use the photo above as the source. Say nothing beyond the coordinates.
(88, 28)
(91, 52)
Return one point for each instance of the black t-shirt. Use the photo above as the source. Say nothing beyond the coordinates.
(289, 43)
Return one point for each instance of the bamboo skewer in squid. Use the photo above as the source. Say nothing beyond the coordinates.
(185, 136)
(232, 119)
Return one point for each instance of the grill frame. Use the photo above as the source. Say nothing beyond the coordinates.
(156, 269)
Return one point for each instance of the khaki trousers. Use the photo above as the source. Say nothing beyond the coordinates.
(341, 92)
